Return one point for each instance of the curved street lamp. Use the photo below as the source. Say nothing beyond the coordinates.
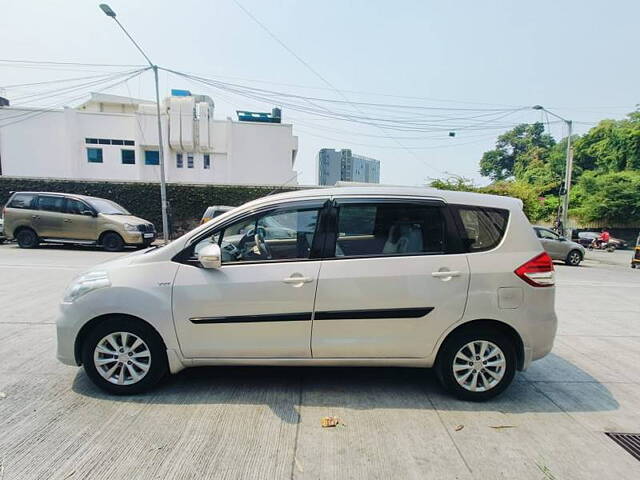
(108, 11)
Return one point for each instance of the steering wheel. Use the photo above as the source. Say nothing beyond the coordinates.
(261, 244)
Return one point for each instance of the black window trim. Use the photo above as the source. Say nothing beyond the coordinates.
(185, 255)
(453, 244)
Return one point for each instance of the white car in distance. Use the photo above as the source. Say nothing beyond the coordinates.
(369, 276)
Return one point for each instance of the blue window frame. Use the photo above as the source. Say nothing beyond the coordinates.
(94, 155)
(190, 160)
(207, 161)
(179, 161)
(151, 157)
(128, 157)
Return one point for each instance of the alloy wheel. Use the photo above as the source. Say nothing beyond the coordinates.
(574, 258)
(122, 358)
(479, 366)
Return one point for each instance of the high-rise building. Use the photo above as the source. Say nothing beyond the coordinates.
(343, 165)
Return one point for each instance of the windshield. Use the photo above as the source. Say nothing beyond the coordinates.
(107, 207)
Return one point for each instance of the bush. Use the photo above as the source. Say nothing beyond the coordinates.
(187, 202)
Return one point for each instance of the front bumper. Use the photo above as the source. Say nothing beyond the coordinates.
(67, 328)
(138, 238)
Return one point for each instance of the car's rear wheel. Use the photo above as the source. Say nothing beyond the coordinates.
(573, 258)
(27, 238)
(123, 356)
(112, 242)
(476, 366)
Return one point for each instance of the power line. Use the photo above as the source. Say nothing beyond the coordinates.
(317, 74)
(32, 113)
(37, 62)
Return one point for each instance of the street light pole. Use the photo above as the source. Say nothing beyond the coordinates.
(163, 186)
(568, 170)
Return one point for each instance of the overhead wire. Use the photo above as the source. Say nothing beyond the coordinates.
(32, 112)
(321, 77)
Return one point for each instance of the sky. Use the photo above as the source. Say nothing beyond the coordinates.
(575, 57)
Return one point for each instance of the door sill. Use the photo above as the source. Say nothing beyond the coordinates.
(68, 240)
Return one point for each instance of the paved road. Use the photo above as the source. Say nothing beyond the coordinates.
(264, 423)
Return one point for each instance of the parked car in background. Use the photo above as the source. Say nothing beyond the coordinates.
(32, 218)
(586, 238)
(386, 276)
(214, 211)
(2, 236)
(559, 248)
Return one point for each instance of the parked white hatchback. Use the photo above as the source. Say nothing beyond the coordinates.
(357, 276)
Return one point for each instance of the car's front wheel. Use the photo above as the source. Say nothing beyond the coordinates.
(112, 242)
(573, 258)
(124, 356)
(476, 366)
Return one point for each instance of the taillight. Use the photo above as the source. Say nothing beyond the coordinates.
(538, 271)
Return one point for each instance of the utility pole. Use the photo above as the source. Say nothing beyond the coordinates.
(163, 186)
(568, 170)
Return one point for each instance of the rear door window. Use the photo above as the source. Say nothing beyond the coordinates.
(483, 227)
(22, 200)
(50, 204)
(389, 228)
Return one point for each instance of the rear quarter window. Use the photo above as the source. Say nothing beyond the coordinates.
(22, 200)
(482, 228)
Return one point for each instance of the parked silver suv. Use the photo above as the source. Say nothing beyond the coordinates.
(404, 277)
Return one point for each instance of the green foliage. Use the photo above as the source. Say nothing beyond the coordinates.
(612, 197)
(187, 202)
(610, 146)
(606, 164)
(515, 151)
(533, 205)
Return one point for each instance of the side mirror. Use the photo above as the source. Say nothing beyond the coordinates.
(88, 213)
(210, 256)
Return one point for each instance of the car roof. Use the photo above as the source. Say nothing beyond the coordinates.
(62, 194)
(376, 191)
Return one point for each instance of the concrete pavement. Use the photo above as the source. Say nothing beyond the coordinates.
(233, 423)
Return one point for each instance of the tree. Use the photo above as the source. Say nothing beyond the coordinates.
(610, 146)
(515, 151)
(613, 197)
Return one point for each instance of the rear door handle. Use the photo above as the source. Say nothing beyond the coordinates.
(445, 274)
(294, 280)
(67, 220)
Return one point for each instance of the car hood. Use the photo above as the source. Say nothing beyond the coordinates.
(130, 219)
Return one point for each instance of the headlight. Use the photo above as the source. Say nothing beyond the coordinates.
(130, 228)
(84, 284)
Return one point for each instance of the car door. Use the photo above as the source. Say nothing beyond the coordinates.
(396, 278)
(551, 243)
(48, 219)
(79, 224)
(260, 302)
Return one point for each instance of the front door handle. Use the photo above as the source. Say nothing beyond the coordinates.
(445, 274)
(297, 280)
(67, 220)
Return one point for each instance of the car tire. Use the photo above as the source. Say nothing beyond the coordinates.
(148, 359)
(498, 350)
(27, 238)
(574, 257)
(112, 242)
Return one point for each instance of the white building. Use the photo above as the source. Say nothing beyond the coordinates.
(116, 138)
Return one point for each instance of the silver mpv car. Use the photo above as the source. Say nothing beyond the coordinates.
(357, 276)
